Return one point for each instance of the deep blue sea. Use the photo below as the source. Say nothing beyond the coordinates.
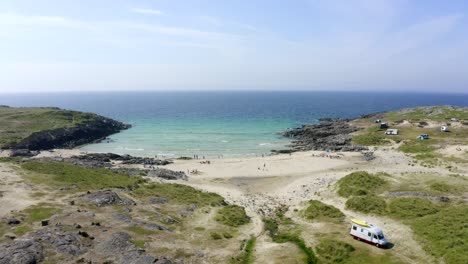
(219, 123)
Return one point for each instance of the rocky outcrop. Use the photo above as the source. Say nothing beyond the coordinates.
(167, 174)
(332, 134)
(104, 160)
(105, 198)
(21, 251)
(87, 132)
(118, 246)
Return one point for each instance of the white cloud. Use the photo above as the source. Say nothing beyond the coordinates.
(147, 11)
(11, 19)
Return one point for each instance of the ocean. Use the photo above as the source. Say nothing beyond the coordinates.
(211, 124)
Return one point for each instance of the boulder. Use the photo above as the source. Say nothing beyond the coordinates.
(105, 198)
(21, 251)
(167, 174)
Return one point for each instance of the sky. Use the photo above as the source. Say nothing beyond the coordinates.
(112, 45)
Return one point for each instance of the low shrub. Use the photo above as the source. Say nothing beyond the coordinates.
(359, 183)
(367, 204)
(232, 215)
(334, 251)
(411, 207)
(317, 210)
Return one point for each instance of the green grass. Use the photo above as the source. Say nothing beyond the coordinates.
(411, 207)
(416, 146)
(21, 230)
(442, 187)
(318, 211)
(39, 212)
(62, 174)
(19, 123)
(138, 243)
(334, 251)
(360, 183)
(272, 227)
(216, 236)
(445, 234)
(232, 215)
(246, 257)
(367, 204)
(371, 139)
(177, 193)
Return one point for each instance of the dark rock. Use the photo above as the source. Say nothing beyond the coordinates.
(119, 248)
(13, 221)
(23, 153)
(44, 222)
(332, 135)
(444, 199)
(105, 198)
(84, 133)
(83, 233)
(158, 200)
(168, 174)
(368, 156)
(21, 251)
(65, 242)
(104, 160)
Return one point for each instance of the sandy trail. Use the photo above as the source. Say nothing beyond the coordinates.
(14, 193)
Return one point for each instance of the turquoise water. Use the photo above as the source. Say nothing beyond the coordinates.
(219, 123)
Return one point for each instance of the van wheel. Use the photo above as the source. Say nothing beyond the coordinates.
(358, 239)
(377, 245)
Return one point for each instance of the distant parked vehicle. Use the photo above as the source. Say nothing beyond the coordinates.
(454, 119)
(369, 233)
(423, 136)
(444, 129)
(377, 121)
(383, 125)
(391, 131)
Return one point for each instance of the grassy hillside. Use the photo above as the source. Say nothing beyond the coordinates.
(18, 123)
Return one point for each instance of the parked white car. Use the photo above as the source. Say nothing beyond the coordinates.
(367, 232)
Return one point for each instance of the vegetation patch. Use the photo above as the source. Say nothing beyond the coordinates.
(318, 211)
(334, 251)
(411, 207)
(443, 187)
(39, 212)
(445, 234)
(139, 243)
(373, 139)
(232, 215)
(416, 146)
(22, 122)
(359, 183)
(367, 204)
(62, 174)
(21, 230)
(178, 193)
(246, 257)
(282, 230)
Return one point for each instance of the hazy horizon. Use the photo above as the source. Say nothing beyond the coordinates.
(303, 45)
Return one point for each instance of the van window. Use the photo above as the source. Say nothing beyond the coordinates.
(375, 237)
(362, 230)
(354, 228)
(368, 233)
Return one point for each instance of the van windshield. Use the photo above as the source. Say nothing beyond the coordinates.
(380, 236)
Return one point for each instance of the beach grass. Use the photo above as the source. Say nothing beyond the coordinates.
(369, 204)
(319, 211)
(178, 193)
(59, 174)
(39, 212)
(246, 257)
(360, 183)
(445, 233)
(411, 207)
(334, 251)
(24, 121)
(232, 215)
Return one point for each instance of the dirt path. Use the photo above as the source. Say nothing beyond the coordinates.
(14, 193)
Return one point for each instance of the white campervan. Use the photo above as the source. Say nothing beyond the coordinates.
(367, 232)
